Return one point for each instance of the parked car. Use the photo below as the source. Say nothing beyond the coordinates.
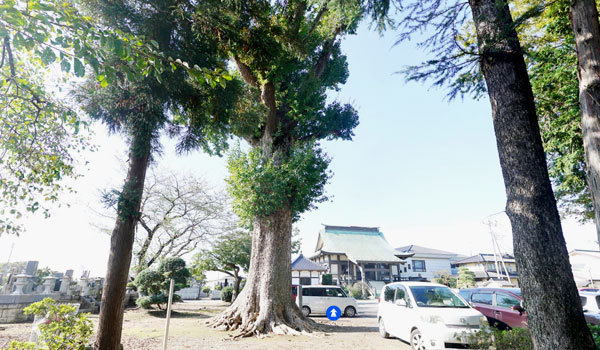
(316, 300)
(427, 315)
(503, 307)
(590, 302)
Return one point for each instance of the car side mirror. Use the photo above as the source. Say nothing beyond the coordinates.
(517, 308)
(400, 302)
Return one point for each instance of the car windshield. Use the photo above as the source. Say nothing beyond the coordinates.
(435, 296)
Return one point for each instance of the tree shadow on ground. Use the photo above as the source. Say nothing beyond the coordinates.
(349, 329)
(177, 314)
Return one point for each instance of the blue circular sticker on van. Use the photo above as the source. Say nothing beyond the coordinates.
(333, 313)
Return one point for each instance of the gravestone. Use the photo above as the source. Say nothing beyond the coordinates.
(69, 273)
(31, 268)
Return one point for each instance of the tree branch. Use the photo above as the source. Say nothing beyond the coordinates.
(246, 73)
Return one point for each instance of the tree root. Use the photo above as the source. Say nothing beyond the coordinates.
(248, 323)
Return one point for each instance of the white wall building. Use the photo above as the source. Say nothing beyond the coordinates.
(586, 267)
(425, 263)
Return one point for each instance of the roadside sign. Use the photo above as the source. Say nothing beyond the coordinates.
(333, 313)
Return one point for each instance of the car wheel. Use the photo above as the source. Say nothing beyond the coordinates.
(382, 330)
(305, 310)
(350, 311)
(416, 340)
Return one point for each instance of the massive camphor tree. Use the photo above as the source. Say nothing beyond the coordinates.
(288, 55)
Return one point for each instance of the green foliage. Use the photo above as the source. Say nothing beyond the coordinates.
(327, 279)
(63, 330)
(447, 280)
(147, 301)
(154, 285)
(355, 292)
(514, 339)
(491, 338)
(227, 294)
(229, 254)
(466, 278)
(595, 329)
(259, 186)
(149, 282)
(174, 268)
(552, 60)
(206, 289)
(218, 287)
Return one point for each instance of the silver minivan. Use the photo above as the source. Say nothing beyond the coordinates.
(316, 300)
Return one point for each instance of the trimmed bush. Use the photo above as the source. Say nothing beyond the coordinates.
(218, 287)
(206, 289)
(327, 279)
(227, 294)
(147, 302)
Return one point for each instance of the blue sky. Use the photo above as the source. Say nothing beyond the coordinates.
(424, 170)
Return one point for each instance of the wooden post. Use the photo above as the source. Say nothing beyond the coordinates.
(171, 288)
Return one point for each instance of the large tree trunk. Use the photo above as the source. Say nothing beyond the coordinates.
(554, 310)
(266, 303)
(584, 18)
(121, 246)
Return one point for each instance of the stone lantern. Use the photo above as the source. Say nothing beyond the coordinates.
(21, 281)
(49, 283)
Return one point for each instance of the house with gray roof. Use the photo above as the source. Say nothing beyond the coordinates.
(353, 254)
(426, 263)
(491, 267)
(306, 272)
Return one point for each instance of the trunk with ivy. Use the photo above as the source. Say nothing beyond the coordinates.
(121, 244)
(584, 19)
(554, 311)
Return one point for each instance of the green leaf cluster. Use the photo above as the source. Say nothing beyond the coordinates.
(151, 282)
(64, 328)
(229, 253)
(259, 187)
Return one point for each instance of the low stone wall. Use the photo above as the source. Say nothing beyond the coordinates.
(11, 306)
(190, 293)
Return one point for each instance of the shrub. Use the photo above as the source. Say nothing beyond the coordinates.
(206, 289)
(218, 287)
(356, 292)
(149, 282)
(595, 334)
(63, 329)
(174, 268)
(327, 279)
(227, 294)
(147, 302)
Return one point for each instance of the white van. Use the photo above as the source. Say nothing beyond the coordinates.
(427, 315)
(316, 300)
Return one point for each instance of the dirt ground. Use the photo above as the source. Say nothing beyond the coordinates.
(144, 330)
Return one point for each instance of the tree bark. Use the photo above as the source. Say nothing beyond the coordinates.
(266, 303)
(121, 245)
(236, 284)
(584, 19)
(554, 311)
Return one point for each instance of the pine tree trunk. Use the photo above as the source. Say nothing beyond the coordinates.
(584, 18)
(266, 303)
(554, 311)
(121, 246)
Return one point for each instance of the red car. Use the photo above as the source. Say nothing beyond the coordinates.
(503, 307)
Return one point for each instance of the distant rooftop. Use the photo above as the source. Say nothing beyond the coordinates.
(417, 249)
(360, 244)
(485, 258)
(303, 264)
